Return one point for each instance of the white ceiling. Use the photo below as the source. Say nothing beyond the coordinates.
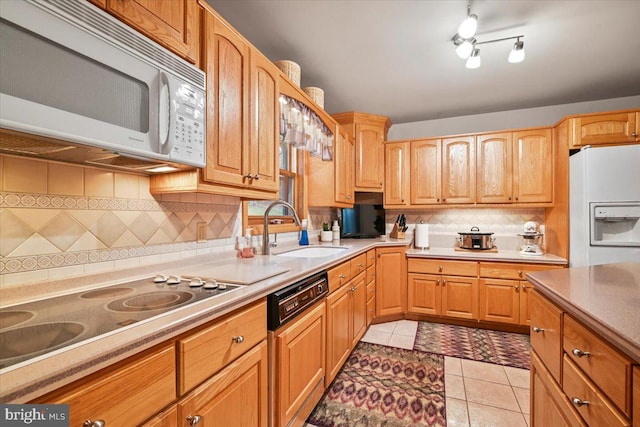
(396, 58)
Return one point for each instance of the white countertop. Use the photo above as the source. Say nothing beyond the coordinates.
(500, 255)
(27, 380)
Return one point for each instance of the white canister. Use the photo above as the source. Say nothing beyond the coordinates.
(421, 236)
(326, 236)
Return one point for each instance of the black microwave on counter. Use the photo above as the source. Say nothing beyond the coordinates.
(363, 221)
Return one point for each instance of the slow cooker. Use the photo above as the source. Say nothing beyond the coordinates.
(475, 239)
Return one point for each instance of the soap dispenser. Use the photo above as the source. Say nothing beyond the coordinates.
(336, 230)
(304, 237)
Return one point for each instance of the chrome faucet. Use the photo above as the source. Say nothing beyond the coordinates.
(266, 245)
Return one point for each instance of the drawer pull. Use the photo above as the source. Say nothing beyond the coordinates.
(438, 282)
(520, 273)
(444, 282)
(353, 289)
(537, 330)
(440, 269)
(342, 276)
(193, 419)
(238, 340)
(517, 287)
(579, 353)
(578, 402)
(96, 423)
(360, 265)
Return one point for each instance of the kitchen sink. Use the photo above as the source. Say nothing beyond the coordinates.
(313, 251)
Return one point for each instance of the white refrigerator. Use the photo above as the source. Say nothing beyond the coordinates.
(604, 205)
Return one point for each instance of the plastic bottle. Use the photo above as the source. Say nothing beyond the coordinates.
(304, 237)
(247, 251)
(336, 230)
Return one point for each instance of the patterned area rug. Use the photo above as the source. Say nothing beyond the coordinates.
(384, 386)
(501, 348)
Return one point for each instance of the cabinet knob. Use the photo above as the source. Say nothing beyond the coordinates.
(537, 330)
(342, 276)
(634, 134)
(438, 282)
(516, 198)
(256, 177)
(520, 273)
(238, 340)
(444, 200)
(517, 288)
(437, 200)
(524, 287)
(353, 289)
(402, 200)
(248, 176)
(579, 353)
(440, 268)
(509, 198)
(360, 265)
(579, 402)
(96, 423)
(193, 419)
(444, 282)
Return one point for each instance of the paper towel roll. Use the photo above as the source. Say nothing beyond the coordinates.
(421, 236)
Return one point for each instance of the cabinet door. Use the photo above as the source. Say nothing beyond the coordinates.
(174, 24)
(500, 300)
(423, 294)
(494, 168)
(391, 281)
(263, 172)
(425, 171)
(396, 174)
(546, 324)
(458, 170)
(460, 297)
(370, 161)
(300, 360)
(525, 306)
(533, 166)
(227, 67)
(358, 308)
(237, 396)
(605, 129)
(636, 396)
(339, 327)
(167, 418)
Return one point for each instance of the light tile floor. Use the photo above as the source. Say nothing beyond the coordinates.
(477, 394)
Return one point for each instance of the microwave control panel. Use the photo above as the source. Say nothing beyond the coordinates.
(187, 131)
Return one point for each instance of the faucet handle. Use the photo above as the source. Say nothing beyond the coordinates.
(273, 244)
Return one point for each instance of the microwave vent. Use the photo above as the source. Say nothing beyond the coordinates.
(110, 29)
(123, 162)
(30, 146)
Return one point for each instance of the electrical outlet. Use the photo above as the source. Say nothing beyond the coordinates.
(201, 232)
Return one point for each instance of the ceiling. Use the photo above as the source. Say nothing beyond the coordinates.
(396, 58)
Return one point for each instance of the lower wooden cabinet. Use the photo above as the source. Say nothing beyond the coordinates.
(501, 301)
(125, 395)
(391, 279)
(297, 367)
(636, 396)
(167, 418)
(236, 396)
(546, 333)
(551, 407)
(346, 323)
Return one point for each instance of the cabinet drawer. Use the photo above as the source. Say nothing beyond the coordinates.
(500, 270)
(546, 323)
(371, 310)
(436, 266)
(203, 353)
(371, 274)
(371, 291)
(358, 265)
(338, 276)
(371, 257)
(143, 387)
(591, 404)
(607, 368)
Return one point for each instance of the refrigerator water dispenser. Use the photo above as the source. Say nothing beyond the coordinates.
(615, 224)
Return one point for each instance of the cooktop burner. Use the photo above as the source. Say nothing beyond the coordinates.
(31, 329)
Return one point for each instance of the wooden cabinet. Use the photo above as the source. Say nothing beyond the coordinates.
(551, 407)
(299, 357)
(346, 322)
(391, 281)
(143, 385)
(207, 350)
(458, 170)
(344, 152)
(242, 120)
(236, 396)
(605, 128)
(515, 167)
(426, 169)
(504, 294)
(369, 132)
(173, 24)
(371, 285)
(636, 396)
(167, 418)
(546, 333)
(436, 294)
(396, 188)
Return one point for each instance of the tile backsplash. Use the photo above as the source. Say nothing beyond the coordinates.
(61, 220)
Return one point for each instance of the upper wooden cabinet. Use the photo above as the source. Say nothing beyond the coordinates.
(242, 120)
(343, 161)
(605, 128)
(426, 169)
(173, 24)
(515, 167)
(369, 132)
(396, 191)
(458, 170)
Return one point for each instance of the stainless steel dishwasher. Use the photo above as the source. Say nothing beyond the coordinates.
(296, 321)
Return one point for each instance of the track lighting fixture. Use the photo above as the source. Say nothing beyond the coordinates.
(466, 43)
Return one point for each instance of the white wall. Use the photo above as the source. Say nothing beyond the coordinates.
(529, 117)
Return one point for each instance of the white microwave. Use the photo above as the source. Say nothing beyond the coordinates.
(91, 89)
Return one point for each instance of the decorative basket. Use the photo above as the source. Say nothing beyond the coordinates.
(316, 94)
(290, 69)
